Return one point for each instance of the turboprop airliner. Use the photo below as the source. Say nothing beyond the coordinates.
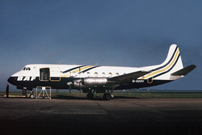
(101, 79)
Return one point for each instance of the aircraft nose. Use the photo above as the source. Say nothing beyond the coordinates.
(11, 80)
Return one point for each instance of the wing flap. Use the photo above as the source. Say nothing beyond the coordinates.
(128, 77)
(184, 71)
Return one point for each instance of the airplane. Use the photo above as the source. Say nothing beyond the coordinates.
(101, 79)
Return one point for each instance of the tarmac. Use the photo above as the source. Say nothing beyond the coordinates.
(117, 116)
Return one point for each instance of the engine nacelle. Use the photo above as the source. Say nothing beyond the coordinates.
(94, 81)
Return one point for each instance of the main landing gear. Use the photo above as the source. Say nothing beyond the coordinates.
(90, 95)
(106, 96)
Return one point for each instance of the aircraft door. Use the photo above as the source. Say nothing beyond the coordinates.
(44, 74)
(55, 74)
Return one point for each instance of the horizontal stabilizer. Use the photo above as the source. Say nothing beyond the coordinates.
(184, 71)
(128, 77)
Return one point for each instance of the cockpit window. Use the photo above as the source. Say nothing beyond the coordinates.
(26, 68)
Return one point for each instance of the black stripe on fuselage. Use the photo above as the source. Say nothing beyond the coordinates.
(71, 69)
(169, 69)
(88, 69)
(167, 62)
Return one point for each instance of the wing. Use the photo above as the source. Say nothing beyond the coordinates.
(128, 77)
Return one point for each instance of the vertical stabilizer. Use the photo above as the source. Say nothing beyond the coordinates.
(172, 64)
(173, 60)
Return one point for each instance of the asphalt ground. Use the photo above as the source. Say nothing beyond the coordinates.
(117, 116)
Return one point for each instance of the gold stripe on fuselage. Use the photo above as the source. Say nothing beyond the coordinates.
(164, 69)
(77, 70)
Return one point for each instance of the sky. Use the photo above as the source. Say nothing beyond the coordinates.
(131, 33)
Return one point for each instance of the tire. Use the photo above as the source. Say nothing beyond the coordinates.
(90, 95)
(107, 96)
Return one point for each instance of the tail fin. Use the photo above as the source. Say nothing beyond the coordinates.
(173, 61)
(172, 68)
(172, 64)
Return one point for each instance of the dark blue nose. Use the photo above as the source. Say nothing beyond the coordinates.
(9, 80)
(12, 80)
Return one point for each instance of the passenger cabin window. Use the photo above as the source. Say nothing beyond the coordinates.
(44, 74)
(103, 74)
(96, 74)
(88, 74)
(110, 74)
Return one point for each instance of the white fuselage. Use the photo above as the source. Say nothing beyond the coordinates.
(84, 77)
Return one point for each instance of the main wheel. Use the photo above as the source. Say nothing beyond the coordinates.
(107, 96)
(90, 95)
